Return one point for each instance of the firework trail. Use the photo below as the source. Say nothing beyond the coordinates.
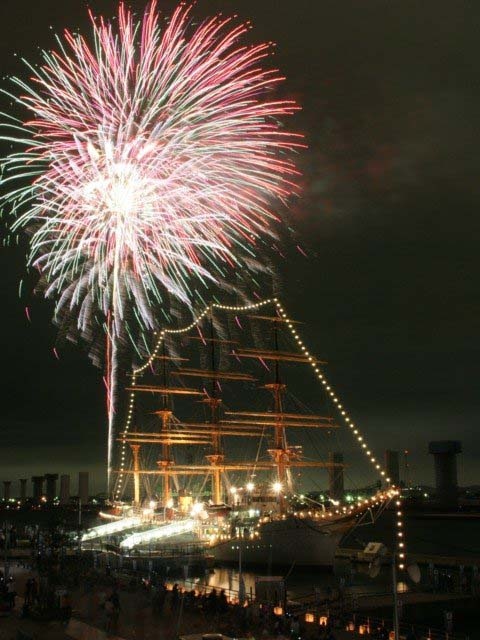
(152, 162)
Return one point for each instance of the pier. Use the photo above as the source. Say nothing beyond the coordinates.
(357, 555)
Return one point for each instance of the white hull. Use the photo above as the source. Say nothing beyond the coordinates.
(303, 541)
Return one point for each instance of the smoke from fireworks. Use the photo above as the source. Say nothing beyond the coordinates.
(152, 162)
(155, 159)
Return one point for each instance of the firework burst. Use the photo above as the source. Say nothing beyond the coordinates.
(155, 159)
(152, 162)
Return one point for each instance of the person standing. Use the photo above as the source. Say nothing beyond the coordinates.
(11, 593)
(175, 597)
(66, 608)
(28, 591)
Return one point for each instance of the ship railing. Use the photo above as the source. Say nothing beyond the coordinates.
(370, 625)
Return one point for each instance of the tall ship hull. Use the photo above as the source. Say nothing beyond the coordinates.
(299, 541)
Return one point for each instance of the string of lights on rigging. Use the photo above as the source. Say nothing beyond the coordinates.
(360, 438)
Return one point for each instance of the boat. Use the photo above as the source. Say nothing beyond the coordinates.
(200, 473)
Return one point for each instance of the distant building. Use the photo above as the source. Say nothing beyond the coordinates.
(23, 489)
(64, 489)
(445, 455)
(6, 489)
(37, 482)
(392, 466)
(51, 479)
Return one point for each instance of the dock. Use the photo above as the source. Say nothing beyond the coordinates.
(357, 555)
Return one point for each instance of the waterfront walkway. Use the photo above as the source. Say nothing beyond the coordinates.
(140, 617)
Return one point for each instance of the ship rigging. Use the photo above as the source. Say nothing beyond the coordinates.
(198, 477)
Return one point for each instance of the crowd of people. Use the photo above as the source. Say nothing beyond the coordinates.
(210, 608)
(205, 607)
(8, 537)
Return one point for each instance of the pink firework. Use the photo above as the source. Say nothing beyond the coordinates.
(156, 159)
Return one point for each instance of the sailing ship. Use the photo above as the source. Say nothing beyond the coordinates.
(247, 507)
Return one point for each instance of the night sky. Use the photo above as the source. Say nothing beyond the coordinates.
(389, 219)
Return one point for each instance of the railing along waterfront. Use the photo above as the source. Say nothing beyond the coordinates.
(369, 625)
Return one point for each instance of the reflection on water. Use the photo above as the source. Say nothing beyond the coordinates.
(300, 582)
(424, 534)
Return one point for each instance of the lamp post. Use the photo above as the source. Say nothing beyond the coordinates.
(395, 594)
(79, 525)
(6, 546)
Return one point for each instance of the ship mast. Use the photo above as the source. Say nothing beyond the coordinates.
(165, 437)
(222, 424)
(135, 448)
(216, 458)
(165, 414)
(283, 456)
(279, 453)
